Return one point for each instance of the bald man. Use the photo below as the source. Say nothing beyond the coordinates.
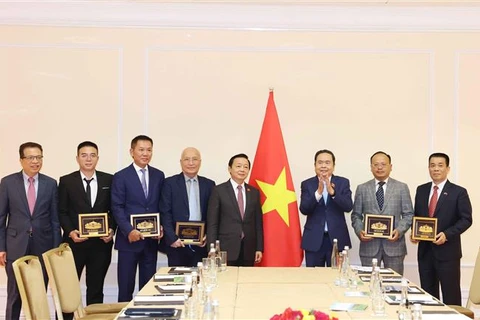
(184, 198)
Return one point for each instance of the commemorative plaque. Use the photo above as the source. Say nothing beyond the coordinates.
(190, 232)
(378, 226)
(92, 225)
(147, 223)
(424, 228)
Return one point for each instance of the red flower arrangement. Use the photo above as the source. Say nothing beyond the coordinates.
(290, 314)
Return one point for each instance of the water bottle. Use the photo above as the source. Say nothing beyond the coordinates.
(404, 308)
(208, 307)
(417, 312)
(338, 278)
(334, 258)
(218, 259)
(200, 284)
(374, 264)
(344, 279)
(377, 294)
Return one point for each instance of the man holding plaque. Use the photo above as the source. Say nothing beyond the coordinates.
(136, 190)
(28, 219)
(87, 191)
(390, 198)
(185, 199)
(325, 199)
(439, 261)
(235, 216)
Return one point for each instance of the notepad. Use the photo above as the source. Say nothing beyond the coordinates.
(158, 300)
(424, 299)
(171, 278)
(344, 306)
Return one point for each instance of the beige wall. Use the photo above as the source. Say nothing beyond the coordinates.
(351, 90)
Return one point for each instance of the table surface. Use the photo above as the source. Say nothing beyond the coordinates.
(260, 293)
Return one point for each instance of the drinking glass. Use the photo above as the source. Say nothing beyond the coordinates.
(223, 260)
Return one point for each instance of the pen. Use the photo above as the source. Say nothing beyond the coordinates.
(163, 294)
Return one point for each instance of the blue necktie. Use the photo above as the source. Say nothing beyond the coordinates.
(144, 183)
(325, 199)
(192, 202)
(380, 194)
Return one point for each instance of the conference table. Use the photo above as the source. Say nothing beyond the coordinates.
(260, 293)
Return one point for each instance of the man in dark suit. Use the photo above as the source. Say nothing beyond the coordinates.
(185, 198)
(325, 199)
(136, 189)
(235, 216)
(87, 191)
(28, 218)
(383, 195)
(439, 261)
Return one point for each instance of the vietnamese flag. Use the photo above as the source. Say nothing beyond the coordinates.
(271, 175)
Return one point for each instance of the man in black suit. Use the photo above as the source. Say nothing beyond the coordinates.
(28, 218)
(185, 198)
(87, 191)
(439, 261)
(235, 216)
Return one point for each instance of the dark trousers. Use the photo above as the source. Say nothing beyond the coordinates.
(14, 302)
(435, 272)
(96, 260)
(241, 261)
(128, 261)
(322, 257)
(187, 256)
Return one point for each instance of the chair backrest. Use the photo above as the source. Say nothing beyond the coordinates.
(63, 278)
(474, 294)
(31, 285)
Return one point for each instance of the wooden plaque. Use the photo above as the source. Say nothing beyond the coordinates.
(147, 223)
(93, 225)
(190, 232)
(424, 229)
(378, 225)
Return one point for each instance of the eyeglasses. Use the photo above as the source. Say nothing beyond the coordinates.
(31, 158)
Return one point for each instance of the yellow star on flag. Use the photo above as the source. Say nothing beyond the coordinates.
(278, 196)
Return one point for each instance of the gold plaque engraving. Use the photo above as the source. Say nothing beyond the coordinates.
(190, 232)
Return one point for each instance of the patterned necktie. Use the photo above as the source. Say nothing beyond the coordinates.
(241, 205)
(144, 183)
(380, 194)
(192, 202)
(31, 197)
(433, 202)
(89, 191)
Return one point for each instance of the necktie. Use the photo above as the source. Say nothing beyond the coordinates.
(380, 195)
(325, 199)
(325, 193)
(241, 205)
(192, 201)
(31, 197)
(144, 182)
(433, 202)
(89, 191)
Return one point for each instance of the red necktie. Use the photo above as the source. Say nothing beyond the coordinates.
(31, 197)
(241, 206)
(433, 202)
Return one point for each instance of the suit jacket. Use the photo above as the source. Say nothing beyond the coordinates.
(128, 198)
(16, 220)
(318, 213)
(224, 221)
(454, 214)
(174, 203)
(73, 200)
(398, 203)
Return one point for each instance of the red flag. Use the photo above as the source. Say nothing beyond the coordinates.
(271, 175)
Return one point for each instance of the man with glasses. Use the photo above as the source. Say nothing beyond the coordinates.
(185, 198)
(383, 196)
(28, 218)
(87, 191)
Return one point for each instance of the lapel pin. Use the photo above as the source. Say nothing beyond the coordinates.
(445, 194)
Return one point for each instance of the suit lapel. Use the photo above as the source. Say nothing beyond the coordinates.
(182, 187)
(371, 191)
(80, 189)
(389, 192)
(442, 196)
(136, 181)
(42, 191)
(233, 197)
(21, 191)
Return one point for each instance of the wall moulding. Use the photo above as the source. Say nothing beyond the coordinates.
(385, 16)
